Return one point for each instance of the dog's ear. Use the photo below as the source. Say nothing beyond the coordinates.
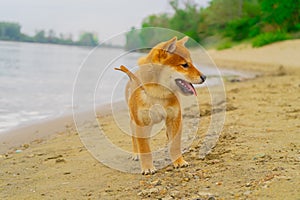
(171, 45)
(183, 40)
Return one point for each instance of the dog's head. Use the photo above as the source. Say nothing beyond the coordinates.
(176, 70)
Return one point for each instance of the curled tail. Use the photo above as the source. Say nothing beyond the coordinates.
(130, 74)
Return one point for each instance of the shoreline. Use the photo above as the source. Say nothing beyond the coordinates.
(28, 133)
(46, 128)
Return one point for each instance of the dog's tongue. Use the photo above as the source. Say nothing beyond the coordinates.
(191, 87)
(186, 87)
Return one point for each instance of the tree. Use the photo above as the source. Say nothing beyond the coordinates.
(88, 39)
(40, 36)
(220, 12)
(282, 15)
(52, 36)
(10, 31)
(186, 19)
(161, 20)
(133, 40)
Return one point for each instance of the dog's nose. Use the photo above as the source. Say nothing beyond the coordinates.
(203, 78)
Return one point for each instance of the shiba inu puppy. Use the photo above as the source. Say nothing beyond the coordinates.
(152, 95)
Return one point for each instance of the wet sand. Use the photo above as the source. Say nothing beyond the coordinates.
(256, 157)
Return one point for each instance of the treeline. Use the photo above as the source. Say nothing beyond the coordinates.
(225, 22)
(12, 32)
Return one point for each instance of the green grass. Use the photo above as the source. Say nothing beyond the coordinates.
(268, 38)
(224, 45)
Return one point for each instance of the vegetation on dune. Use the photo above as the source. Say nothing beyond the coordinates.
(267, 38)
(233, 21)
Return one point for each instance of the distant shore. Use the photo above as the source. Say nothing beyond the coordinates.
(256, 157)
(69, 44)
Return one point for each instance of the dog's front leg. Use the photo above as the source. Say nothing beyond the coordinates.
(174, 131)
(142, 138)
(135, 152)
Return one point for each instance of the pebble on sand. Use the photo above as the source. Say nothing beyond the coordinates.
(18, 151)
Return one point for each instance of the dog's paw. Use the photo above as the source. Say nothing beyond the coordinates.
(135, 157)
(180, 162)
(153, 170)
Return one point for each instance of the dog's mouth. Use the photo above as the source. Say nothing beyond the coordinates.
(185, 87)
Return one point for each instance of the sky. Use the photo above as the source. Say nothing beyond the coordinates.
(104, 17)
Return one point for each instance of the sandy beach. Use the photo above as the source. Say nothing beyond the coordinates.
(256, 157)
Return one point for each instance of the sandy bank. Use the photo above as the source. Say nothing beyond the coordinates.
(265, 59)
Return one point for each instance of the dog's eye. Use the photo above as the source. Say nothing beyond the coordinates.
(185, 65)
